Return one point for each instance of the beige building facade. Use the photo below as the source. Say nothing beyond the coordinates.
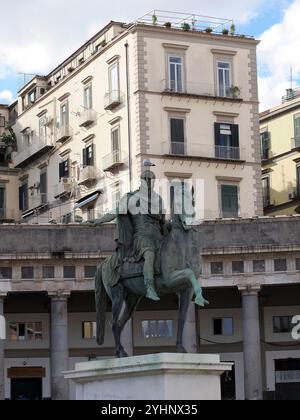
(186, 100)
(280, 140)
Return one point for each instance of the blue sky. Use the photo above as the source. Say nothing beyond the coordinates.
(41, 47)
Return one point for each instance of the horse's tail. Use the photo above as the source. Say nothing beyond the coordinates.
(100, 295)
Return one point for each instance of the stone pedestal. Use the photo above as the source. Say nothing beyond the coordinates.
(164, 376)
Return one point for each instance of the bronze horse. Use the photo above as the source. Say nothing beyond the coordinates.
(180, 270)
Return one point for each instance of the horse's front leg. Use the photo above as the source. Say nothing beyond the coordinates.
(117, 297)
(188, 274)
(184, 302)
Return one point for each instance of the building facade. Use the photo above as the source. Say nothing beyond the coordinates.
(251, 276)
(280, 140)
(185, 99)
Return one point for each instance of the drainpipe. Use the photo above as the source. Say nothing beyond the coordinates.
(128, 115)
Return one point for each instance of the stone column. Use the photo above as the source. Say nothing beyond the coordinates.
(2, 370)
(252, 347)
(59, 346)
(190, 330)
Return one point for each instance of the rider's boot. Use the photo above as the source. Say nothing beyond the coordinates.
(151, 293)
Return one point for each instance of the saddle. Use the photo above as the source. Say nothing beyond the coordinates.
(133, 268)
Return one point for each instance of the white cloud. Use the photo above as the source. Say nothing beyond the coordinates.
(278, 51)
(6, 96)
(38, 34)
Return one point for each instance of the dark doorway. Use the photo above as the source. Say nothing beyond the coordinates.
(29, 389)
(228, 390)
(287, 379)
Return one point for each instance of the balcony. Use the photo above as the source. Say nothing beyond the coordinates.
(87, 117)
(203, 151)
(114, 161)
(88, 175)
(64, 188)
(113, 99)
(37, 148)
(191, 89)
(64, 133)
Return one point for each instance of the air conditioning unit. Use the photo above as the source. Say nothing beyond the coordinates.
(67, 183)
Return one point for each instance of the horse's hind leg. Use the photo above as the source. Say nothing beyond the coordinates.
(131, 302)
(117, 297)
(184, 302)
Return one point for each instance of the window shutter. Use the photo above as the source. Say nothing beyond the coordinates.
(84, 157)
(67, 168)
(177, 130)
(217, 134)
(230, 202)
(92, 162)
(235, 135)
(61, 170)
(43, 183)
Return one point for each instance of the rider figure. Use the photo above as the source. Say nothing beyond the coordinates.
(149, 225)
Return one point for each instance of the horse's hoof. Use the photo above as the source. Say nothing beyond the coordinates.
(200, 301)
(121, 354)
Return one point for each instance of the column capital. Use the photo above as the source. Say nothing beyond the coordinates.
(59, 295)
(249, 289)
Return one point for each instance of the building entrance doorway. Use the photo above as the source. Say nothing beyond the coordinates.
(287, 379)
(29, 389)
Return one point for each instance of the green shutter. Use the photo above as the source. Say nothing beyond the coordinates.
(84, 157)
(235, 142)
(217, 134)
(230, 201)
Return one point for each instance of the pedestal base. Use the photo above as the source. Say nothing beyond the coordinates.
(164, 376)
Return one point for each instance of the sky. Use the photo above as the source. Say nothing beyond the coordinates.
(36, 35)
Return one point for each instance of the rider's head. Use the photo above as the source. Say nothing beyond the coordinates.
(148, 178)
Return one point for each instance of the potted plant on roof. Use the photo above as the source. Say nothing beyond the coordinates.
(154, 19)
(209, 30)
(186, 27)
(168, 25)
(225, 31)
(232, 29)
(235, 92)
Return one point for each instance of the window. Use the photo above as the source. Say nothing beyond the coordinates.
(177, 136)
(27, 272)
(230, 201)
(23, 197)
(280, 265)
(69, 272)
(266, 191)
(216, 267)
(157, 328)
(177, 197)
(175, 74)
(259, 266)
(115, 144)
(43, 128)
(25, 331)
(297, 130)
(48, 272)
(64, 114)
(224, 79)
(282, 324)
(5, 272)
(227, 144)
(90, 271)
(64, 169)
(89, 329)
(113, 76)
(88, 156)
(2, 121)
(223, 326)
(43, 186)
(265, 145)
(2, 203)
(32, 96)
(298, 181)
(238, 267)
(116, 195)
(87, 97)
(298, 264)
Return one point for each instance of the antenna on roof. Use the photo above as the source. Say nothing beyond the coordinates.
(291, 76)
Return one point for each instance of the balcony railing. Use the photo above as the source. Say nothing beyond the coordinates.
(64, 133)
(113, 99)
(37, 148)
(87, 117)
(202, 150)
(114, 160)
(198, 89)
(88, 174)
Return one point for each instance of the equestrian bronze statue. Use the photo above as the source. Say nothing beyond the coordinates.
(154, 258)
